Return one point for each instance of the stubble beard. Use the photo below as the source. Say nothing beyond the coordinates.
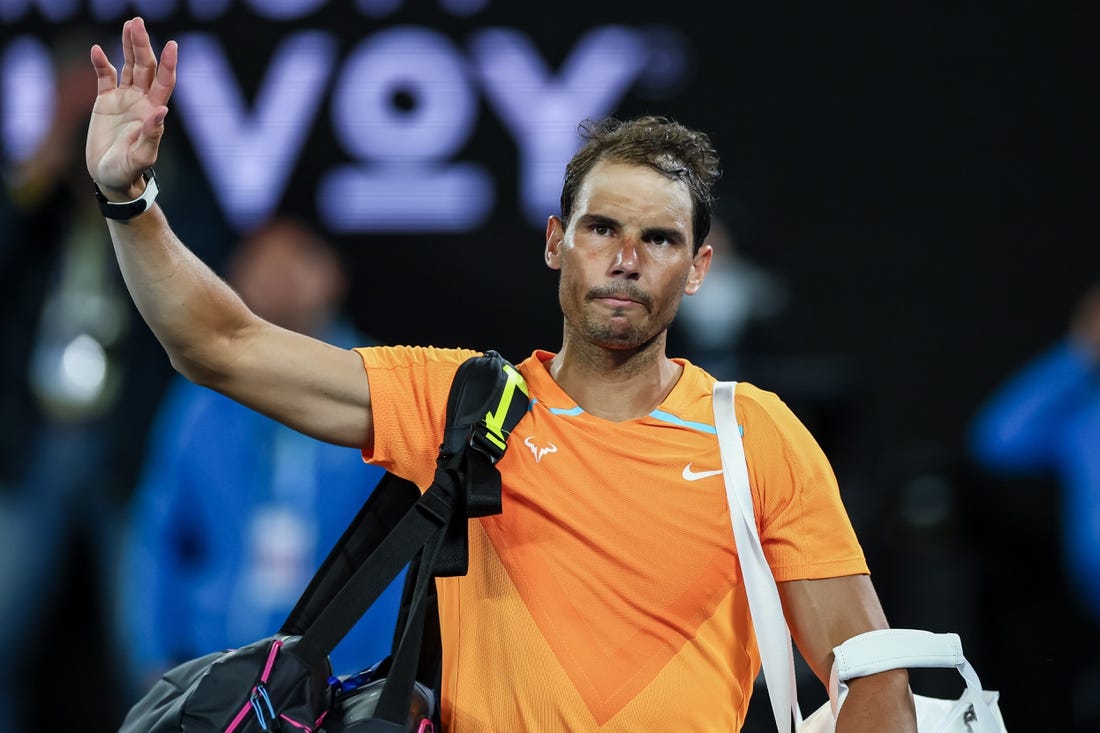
(603, 332)
(593, 326)
(609, 335)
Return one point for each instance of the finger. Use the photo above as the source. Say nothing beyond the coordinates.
(166, 75)
(106, 76)
(127, 54)
(145, 61)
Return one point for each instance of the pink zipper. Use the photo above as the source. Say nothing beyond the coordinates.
(240, 716)
(296, 724)
(275, 647)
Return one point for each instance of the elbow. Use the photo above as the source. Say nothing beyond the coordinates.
(215, 354)
(206, 365)
(192, 370)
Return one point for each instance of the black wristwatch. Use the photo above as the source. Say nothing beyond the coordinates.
(125, 210)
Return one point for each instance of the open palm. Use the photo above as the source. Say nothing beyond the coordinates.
(128, 116)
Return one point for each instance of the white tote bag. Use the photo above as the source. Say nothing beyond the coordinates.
(975, 711)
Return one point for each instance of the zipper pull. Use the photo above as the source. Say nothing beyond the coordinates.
(265, 711)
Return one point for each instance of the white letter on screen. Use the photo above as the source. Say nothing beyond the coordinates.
(402, 106)
(248, 154)
(27, 91)
(543, 111)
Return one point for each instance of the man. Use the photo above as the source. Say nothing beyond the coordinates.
(606, 595)
(1043, 422)
(1045, 419)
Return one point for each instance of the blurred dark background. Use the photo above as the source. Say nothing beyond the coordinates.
(919, 176)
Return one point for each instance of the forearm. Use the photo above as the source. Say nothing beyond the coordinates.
(878, 702)
(824, 613)
(193, 313)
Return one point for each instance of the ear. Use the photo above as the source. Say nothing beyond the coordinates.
(555, 237)
(699, 266)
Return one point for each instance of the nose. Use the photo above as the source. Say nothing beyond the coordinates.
(626, 260)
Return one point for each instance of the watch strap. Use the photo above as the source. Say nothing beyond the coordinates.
(125, 210)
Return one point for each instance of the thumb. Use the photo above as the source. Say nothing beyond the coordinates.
(154, 124)
(152, 130)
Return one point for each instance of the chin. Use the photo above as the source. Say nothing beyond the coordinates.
(614, 334)
(621, 340)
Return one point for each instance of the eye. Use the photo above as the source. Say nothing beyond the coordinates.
(601, 230)
(661, 240)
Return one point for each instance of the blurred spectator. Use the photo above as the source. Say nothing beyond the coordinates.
(738, 293)
(59, 282)
(742, 324)
(81, 383)
(1044, 420)
(739, 326)
(235, 511)
(66, 341)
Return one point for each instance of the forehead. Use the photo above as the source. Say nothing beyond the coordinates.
(626, 192)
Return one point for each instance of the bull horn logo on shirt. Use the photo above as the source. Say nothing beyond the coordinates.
(537, 452)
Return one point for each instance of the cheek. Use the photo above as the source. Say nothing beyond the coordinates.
(674, 284)
(572, 289)
(571, 269)
(672, 292)
(567, 285)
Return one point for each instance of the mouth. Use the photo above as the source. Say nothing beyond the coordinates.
(612, 302)
(619, 298)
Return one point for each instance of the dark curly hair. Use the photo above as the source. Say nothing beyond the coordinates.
(660, 143)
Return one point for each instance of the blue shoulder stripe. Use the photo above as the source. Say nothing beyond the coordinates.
(670, 418)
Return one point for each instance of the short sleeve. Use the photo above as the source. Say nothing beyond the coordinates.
(803, 525)
(409, 388)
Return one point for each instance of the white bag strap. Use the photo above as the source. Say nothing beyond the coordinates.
(883, 649)
(863, 654)
(772, 635)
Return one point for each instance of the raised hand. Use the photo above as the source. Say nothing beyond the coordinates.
(128, 116)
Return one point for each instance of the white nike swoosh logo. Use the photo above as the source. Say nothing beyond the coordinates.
(690, 475)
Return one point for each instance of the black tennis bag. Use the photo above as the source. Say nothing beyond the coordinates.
(271, 684)
(285, 681)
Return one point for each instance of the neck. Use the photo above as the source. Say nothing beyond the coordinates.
(615, 384)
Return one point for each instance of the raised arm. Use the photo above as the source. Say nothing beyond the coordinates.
(824, 613)
(210, 335)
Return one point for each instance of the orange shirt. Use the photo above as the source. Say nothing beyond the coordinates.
(607, 595)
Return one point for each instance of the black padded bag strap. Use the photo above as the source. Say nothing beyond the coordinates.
(426, 518)
(393, 704)
(390, 500)
(488, 397)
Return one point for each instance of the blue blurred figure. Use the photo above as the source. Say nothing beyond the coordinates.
(1044, 421)
(235, 511)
